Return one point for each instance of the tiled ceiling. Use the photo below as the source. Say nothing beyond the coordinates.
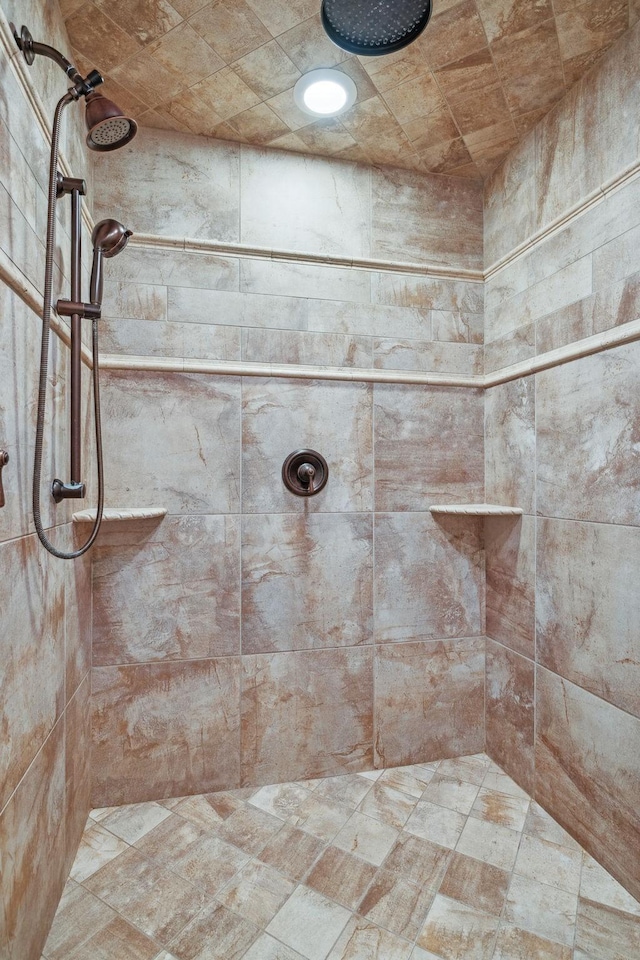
(455, 101)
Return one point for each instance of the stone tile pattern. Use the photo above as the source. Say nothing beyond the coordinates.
(44, 603)
(446, 861)
(189, 303)
(563, 654)
(251, 636)
(453, 102)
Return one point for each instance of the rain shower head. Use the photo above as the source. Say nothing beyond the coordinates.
(107, 126)
(109, 238)
(372, 28)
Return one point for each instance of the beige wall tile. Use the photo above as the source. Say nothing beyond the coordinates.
(510, 559)
(439, 680)
(143, 707)
(320, 700)
(510, 713)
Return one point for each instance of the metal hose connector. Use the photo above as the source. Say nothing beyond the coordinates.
(44, 361)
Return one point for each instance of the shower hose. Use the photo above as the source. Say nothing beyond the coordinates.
(44, 362)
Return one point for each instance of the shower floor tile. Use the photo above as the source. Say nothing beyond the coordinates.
(441, 861)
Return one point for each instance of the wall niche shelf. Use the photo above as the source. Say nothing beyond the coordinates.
(112, 514)
(475, 510)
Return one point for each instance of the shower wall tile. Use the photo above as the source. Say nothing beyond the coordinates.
(510, 552)
(429, 577)
(588, 773)
(148, 338)
(134, 301)
(293, 346)
(319, 703)
(193, 305)
(588, 607)
(510, 436)
(335, 316)
(78, 601)
(179, 268)
(510, 348)
(407, 290)
(324, 209)
(426, 218)
(77, 733)
(185, 429)
(510, 713)
(190, 566)
(440, 686)
(172, 185)
(429, 356)
(315, 281)
(280, 416)
(590, 407)
(457, 326)
(32, 680)
(307, 582)
(32, 839)
(428, 446)
(180, 723)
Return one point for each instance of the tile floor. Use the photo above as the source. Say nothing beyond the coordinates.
(443, 860)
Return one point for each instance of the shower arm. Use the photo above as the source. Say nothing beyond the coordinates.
(32, 48)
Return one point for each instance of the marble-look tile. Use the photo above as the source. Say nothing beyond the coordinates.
(191, 567)
(268, 948)
(428, 578)
(208, 862)
(396, 904)
(455, 794)
(519, 55)
(309, 923)
(361, 940)
(97, 847)
(282, 800)
(458, 932)
(86, 927)
(429, 356)
(341, 877)
(587, 611)
(412, 219)
(513, 943)
(315, 281)
(616, 304)
(587, 473)
(132, 822)
(540, 824)
(321, 817)
(473, 769)
(332, 418)
(188, 268)
(510, 348)
(549, 863)
(435, 294)
(207, 810)
(510, 558)
(165, 729)
(192, 454)
(77, 756)
(318, 702)
(298, 346)
(597, 885)
(457, 326)
(375, 319)
(349, 790)
(500, 808)
(411, 780)
(387, 805)
(163, 184)
(142, 338)
(192, 305)
(32, 681)
(496, 779)
(417, 860)
(32, 841)
(489, 842)
(542, 909)
(325, 208)
(441, 681)
(134, 301)
(510, 202)
(307, 582)
(250, 829)
(436, 824)
(216, 934)
(369, 839)
(256, 893)
(479, 885)
(586, 759)
(292, 852)
(509, 716)
(423, 430)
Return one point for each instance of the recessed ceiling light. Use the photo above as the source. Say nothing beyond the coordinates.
(325, 93)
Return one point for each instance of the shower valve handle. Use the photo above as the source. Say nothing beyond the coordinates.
(4, 460)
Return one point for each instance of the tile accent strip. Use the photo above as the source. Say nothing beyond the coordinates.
(475, 510)
(120, 513)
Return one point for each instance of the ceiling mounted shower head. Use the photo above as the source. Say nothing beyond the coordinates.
(372, 28)
(108, 128)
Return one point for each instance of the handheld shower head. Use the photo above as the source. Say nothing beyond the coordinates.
(109, 238)
(107, 126)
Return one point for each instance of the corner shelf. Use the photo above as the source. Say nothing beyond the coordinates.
(475, 510)
(110, 515)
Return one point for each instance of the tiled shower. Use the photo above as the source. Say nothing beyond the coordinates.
(443, 343)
